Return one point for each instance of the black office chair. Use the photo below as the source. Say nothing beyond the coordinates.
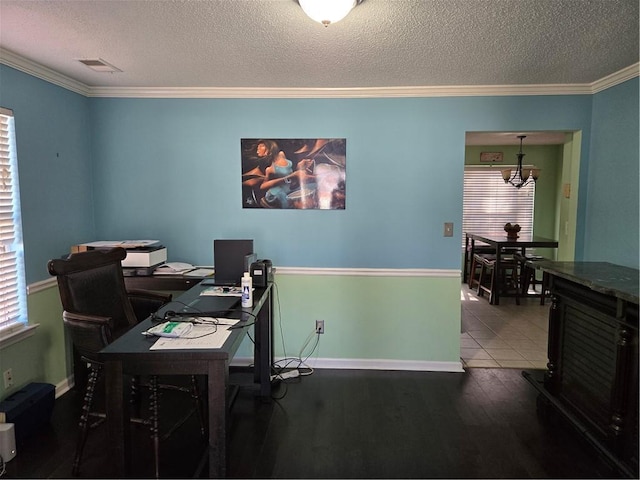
(97, 310)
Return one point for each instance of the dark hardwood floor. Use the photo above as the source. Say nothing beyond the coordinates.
(351, 424)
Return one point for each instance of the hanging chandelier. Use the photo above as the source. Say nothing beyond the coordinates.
(522, 176)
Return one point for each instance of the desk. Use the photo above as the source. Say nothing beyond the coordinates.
(130, 354)
(499, 241)
(166, 283)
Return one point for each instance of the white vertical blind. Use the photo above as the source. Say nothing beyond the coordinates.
(489, 203)
(13, 310)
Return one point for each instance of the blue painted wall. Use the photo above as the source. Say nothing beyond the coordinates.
(611, 226)
(170, 169)
(54, 166)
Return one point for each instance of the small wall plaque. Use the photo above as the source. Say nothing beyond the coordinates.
(491, 157)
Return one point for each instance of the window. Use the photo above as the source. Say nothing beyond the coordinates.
(489, 203)
(13, 311)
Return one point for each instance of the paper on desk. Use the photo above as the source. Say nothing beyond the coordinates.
(200, 336)
(173, 268)
(200, 272)
(122, 243)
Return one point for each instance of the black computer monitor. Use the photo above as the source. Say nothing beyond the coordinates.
(229, 260)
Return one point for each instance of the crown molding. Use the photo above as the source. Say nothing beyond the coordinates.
(32, 68)
(377, 92)
(632, 71)
(39, 71)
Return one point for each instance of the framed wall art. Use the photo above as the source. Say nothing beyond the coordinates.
(294, 173)
(491, 157)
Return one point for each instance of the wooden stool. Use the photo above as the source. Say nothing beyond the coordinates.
(509, 276)
(468, 270)
(486, 268)
(528, 277)
(477, 263)
(498, 279)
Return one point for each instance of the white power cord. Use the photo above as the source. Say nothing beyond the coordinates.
(295, 372)
(285, 375)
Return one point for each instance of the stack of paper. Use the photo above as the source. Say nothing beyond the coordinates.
(200, 272)
(173, 268)
(201, 336)
(127, 244)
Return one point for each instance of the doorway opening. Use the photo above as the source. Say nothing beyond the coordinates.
(510, 335)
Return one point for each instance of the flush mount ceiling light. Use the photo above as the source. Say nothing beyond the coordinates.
(327, 11)
(521, 176)
(99, 65)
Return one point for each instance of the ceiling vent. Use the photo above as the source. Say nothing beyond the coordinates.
(99, 65)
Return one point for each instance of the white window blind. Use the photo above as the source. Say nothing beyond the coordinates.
(13, 311)
(489, 203)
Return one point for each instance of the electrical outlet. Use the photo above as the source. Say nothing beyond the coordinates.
(319, 326)
(8, 378)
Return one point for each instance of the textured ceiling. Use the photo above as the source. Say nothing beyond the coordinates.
(272, 44)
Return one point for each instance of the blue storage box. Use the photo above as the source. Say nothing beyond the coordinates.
(29, 409)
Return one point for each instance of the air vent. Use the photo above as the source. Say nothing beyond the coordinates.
(99, 65)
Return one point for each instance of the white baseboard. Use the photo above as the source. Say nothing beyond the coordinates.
(370, 364)
(64, 386)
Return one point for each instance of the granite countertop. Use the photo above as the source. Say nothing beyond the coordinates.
(603, 277)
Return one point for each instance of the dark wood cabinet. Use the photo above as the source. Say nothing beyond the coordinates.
(593, 353)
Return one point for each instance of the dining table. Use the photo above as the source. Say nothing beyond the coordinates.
(500, 242)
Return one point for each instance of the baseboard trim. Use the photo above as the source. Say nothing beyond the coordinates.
(64, 386)
(369, 364)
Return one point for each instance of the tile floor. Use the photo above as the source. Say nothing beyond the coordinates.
(503, 336)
